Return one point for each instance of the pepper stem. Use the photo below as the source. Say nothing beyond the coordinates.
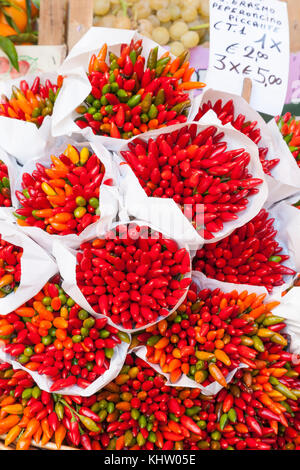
(199, 26)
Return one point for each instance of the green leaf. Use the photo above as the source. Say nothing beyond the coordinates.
(10, 21)
(36, 3)
(28, 12)
(9, 48)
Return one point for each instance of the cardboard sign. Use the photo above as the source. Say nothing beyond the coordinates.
(250, 39)
(33, 60)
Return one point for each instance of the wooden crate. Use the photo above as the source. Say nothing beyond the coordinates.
(61, 24)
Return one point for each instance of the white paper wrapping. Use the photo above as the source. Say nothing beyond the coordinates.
(22, 139)
(141, 206)
(37, 267)
(107, 193)
(66, 259)
(77, 86)
(285, 179)
(287, 224)
(13, 171)
(44, 382)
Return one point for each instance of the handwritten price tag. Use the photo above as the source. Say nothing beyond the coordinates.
(250, 40)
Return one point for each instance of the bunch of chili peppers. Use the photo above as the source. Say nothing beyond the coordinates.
(64, 198)
(289, 127)
(31, 104)
(53, 336)
(211, 184)
(212, 333)
(5, 197)
(29, 414)
(226, 113)
(133, 275)
(10, 267)
(130, 96)
(250, 255)
(137, 411)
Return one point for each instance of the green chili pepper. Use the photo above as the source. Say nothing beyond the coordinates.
(152, 437)
(153, 112)
(132, 56)
(182, 58)
(134, 101)
(160, 97)
(27, 393)
(5, 182)
(153, 340)
(140, 439)
(286, 392)
(232, 415)
(273, 320)
(258, 344)
(36, 392)
(146, 103)
(89, 423)
(181, 106)
(223, 421)
(161, 65)
(102, 415)
(128, 437)
(142, 421)
(123, 336)
(59, 410)
(20, 217)
(152, 58)
(193, 411)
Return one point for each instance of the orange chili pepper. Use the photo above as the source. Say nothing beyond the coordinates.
(175, 375)
(162, 343)
(222, 356)
(23, 444)
(12, 435)
(217, 374)
(42, 311)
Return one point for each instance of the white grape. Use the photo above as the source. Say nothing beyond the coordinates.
(145, 25)
(175, 12)
(190, 3)
(154, 20)
(164, 15)
(159, 4)
(101, 7)
(106, 21)
(122, 22)
(190, 39)
(176, 48)
(142, 9)
(161, 35)
(178, 29)
(204, 7)
(189, 14)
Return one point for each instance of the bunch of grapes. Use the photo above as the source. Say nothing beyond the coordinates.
(180, 24)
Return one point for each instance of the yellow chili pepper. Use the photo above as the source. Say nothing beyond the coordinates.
(84, 155)
(48, 190)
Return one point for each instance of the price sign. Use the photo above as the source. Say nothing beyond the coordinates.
(250, 39)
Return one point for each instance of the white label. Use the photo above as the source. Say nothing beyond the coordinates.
(250, 39)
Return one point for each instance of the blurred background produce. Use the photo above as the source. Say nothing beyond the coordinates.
(18, 25)
(178, 24)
